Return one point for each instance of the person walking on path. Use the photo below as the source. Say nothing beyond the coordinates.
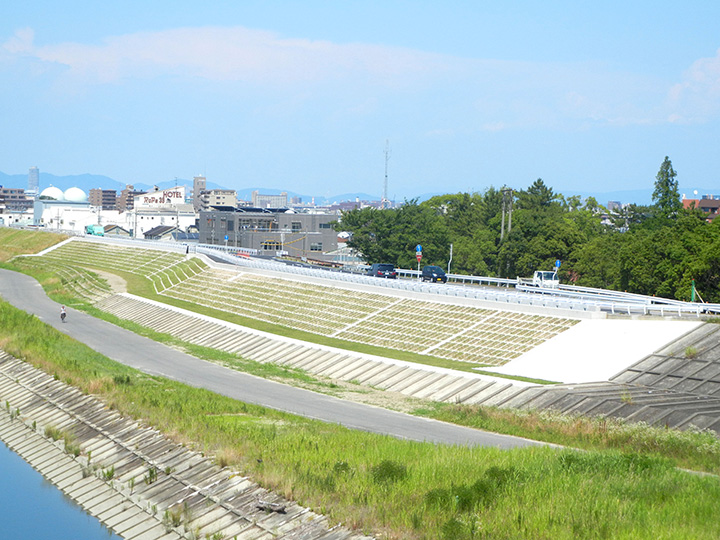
(63, 313)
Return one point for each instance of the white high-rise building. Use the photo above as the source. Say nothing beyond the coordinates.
(33, 182)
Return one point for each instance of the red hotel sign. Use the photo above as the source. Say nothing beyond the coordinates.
(169, 196)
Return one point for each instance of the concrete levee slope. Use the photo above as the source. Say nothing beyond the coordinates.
(676, 386)
(451, 385)
(456, 327)
(595, 350)
(132, 478)
(598, 390)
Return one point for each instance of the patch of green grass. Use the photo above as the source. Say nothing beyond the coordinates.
(390, 487)
(691, 449)
(56, 434)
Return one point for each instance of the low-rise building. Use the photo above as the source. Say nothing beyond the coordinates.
(270, 231)
(161, 208)
(62, 215)
(269, 201)
(116, 230)
(217, 197)
(161, 232)
(709, 204)
(15, 200)
(103, 198)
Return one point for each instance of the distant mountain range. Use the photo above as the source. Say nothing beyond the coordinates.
(86, 182)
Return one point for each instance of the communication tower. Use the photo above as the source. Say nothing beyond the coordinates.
(385, 202)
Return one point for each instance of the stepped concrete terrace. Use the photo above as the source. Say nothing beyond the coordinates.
(678, 386)
(379, 372)
(599, 387)
(216, 502)
(462, 329)
(596, 359)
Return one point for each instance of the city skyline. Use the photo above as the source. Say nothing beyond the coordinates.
(304, 97)
(88, 182)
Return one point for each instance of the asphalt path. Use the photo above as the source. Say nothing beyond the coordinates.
(155, 358)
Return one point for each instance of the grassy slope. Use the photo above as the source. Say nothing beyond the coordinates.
(396, 488)
(17, 242)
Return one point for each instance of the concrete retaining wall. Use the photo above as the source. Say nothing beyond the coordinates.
(133, 479)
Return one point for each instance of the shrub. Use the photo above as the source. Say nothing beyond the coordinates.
(388, 471)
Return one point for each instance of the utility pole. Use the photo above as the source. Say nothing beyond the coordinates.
(507, 203)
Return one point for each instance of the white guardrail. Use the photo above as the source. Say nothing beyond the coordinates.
(566, 297)
(569, 297)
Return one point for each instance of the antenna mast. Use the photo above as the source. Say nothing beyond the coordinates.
(385, 203)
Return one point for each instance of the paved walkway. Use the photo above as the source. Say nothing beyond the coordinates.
(154, 358)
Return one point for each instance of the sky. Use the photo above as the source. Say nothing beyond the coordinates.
(321, 97)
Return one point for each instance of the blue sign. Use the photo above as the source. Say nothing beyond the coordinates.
(557, 263)
(226, 237)
(418, 248)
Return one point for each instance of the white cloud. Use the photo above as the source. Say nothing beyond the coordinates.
(21, 42)
(477, 94)
(697, 97)
(227, 54)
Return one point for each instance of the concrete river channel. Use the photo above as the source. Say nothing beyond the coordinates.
(135, 481)
(34, 508)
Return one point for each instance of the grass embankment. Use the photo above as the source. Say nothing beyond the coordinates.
(396, 488)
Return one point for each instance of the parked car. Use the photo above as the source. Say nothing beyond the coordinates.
(434, 274)
(382, 270)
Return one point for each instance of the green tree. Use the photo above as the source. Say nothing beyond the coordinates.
(539, 234)
(390, 235)
(472, 222)
(597, 262)
(537, 196)
(665, 195)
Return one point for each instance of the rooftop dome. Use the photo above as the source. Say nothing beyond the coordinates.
(53, 193)
(75, 194)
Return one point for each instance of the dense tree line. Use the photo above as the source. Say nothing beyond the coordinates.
(657, 250)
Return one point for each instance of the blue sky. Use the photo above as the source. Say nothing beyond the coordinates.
(303, 95)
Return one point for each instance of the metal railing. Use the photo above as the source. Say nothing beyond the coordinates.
(503, 290)
(577, 299)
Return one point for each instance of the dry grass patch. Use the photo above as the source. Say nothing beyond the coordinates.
(21, 242)
(100, 385)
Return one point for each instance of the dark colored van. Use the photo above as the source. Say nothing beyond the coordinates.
(382, 270)
(434, 274)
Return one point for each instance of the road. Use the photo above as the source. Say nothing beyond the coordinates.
(155, 358)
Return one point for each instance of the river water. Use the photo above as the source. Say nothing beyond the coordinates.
(31, 508)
